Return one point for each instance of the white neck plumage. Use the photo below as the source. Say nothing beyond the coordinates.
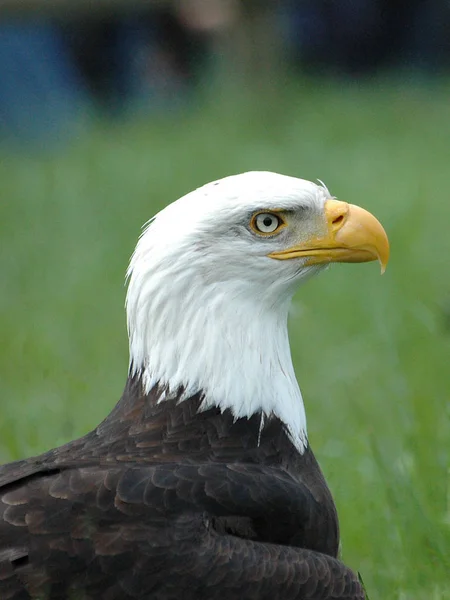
(188, 335)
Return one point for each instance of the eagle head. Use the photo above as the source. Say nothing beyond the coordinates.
(211, 281)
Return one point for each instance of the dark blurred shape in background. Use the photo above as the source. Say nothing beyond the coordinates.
(363, 35)
(41, 90)
(60, 61)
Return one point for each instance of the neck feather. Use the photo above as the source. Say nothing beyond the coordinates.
(187, 338)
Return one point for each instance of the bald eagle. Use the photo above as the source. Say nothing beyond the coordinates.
(201, 483)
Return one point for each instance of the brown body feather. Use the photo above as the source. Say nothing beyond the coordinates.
(162, 502)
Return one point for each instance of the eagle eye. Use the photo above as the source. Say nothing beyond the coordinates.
(267, 223)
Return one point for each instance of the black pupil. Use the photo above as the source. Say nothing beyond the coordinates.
(267, 221)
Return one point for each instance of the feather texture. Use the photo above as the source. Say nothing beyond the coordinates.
(160, 501)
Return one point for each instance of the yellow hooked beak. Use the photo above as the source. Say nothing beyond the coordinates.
(352, 235)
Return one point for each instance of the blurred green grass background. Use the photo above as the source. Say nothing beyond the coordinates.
(372, 354)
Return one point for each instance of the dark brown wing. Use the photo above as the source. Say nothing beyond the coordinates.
(19, 471)
(229, 568)
(280, 509)
(161, 533)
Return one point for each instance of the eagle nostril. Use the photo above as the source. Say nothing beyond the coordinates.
(338, 220)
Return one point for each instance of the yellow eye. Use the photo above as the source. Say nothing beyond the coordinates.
(267, 223)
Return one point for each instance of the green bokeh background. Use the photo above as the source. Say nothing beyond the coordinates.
(372, 353)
